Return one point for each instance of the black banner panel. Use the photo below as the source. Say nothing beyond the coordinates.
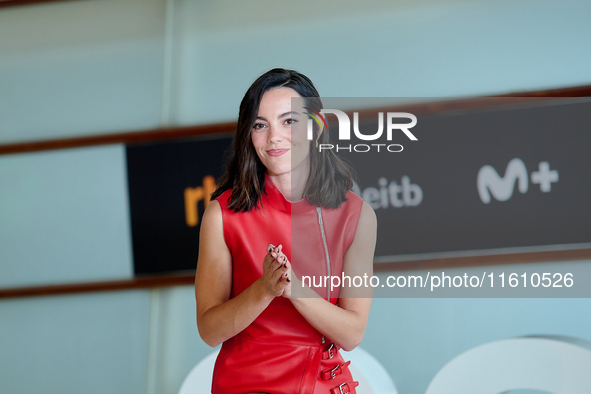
(169, 186)
(510, 178)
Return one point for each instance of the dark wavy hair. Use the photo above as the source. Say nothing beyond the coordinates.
(330, 177)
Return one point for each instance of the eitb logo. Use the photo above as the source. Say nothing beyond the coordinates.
(345, 130)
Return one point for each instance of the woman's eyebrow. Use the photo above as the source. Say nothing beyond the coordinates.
(288, 114)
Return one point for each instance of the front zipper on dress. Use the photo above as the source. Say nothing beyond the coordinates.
(325, 248)
(326, 253)
(321, 224)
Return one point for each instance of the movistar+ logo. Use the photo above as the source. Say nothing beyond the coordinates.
(489, 182)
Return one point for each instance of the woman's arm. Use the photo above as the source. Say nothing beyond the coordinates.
(219, 317)
(345, 324)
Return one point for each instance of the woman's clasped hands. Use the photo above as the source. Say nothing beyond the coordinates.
(277, 274)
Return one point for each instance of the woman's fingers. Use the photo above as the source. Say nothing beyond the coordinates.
(272, 268)
(281, 274)
(275, 251)
(277, 270)
(269, 262)
(283, 260)
(272, 265)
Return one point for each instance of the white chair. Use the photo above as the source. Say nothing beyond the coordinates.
(198, 381)
(369, 372)
(372, 376)
(552, 364)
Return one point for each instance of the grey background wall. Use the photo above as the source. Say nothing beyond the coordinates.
(95, 67)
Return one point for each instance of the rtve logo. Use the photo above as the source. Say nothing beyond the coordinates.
(195, 194)
(501, 188)
(345, 130)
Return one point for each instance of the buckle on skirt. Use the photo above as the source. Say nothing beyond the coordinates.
(345, 388)
(329, 374)
(330, 352)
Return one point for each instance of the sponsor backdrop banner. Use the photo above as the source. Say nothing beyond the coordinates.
(510, 177)
(169, 186)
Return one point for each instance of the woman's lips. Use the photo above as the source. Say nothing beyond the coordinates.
(276, 152)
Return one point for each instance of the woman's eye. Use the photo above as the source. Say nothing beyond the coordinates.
(258, 126)
(291, 121)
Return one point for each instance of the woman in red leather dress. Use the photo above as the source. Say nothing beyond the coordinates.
(283, 212)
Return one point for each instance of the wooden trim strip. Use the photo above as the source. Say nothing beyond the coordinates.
(141, 282)
(573, 91)
(15, 3)
(476, 261)
(132, 137)
(173, 133)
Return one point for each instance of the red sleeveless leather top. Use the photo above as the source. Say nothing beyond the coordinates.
(280, 352)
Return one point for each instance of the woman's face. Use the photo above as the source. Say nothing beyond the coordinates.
(279, 133)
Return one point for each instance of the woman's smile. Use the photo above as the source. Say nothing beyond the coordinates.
(277, 152)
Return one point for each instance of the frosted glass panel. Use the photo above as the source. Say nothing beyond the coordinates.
(64, 217)
(75, 68)
(180, 346)
(399, 49)
(92, 343)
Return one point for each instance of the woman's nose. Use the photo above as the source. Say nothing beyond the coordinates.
(274, 136)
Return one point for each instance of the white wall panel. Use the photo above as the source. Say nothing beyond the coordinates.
(92, 343)
(78, 68)
(64, 217)
(179, 346)
(400, 49)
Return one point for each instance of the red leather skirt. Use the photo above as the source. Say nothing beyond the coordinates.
(246, 366)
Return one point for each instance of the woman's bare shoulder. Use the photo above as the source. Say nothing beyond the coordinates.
(212, 225)
(367, 215)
